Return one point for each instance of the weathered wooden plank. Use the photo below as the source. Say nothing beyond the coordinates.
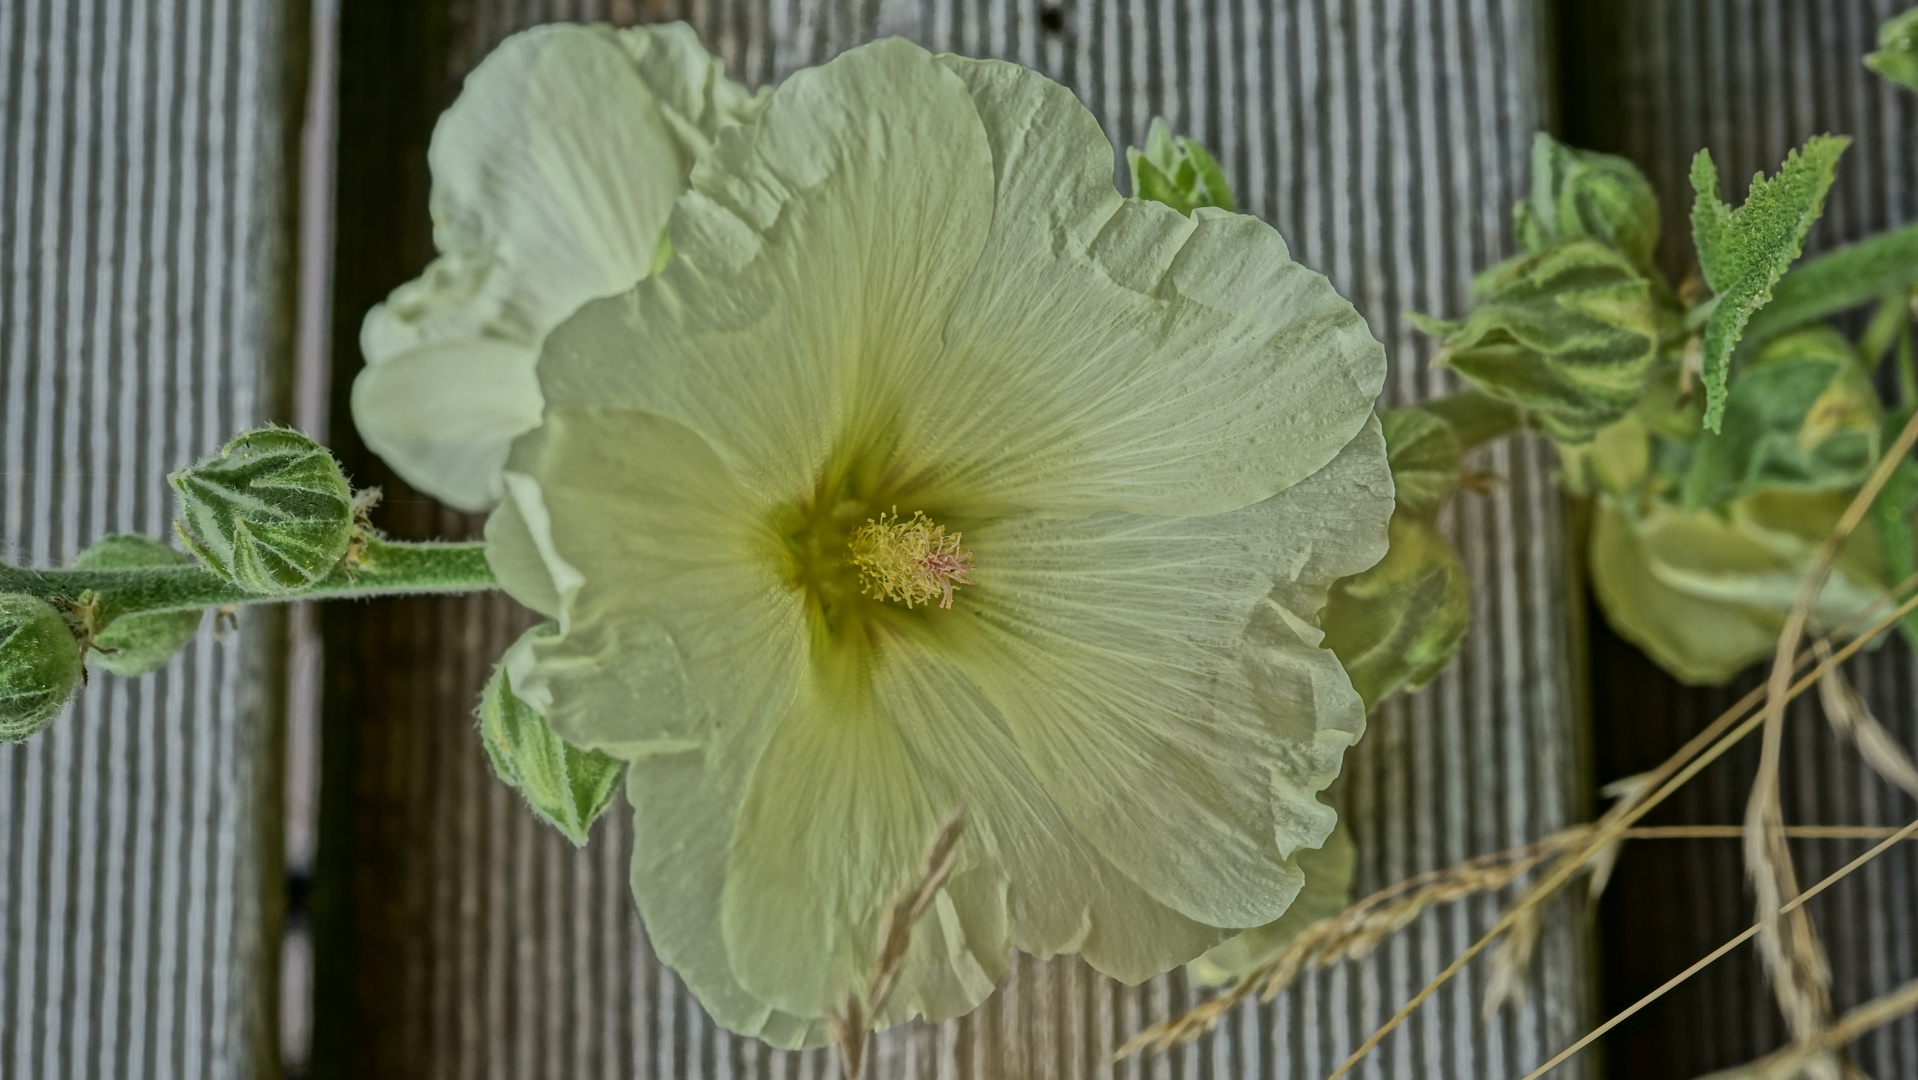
(145, 311)
(1386, 139)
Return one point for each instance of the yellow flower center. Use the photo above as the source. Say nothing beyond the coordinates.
(910, 561)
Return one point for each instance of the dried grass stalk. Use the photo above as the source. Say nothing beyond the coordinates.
(1852, 721)
(1825, 1053)
(852, 1028)
(1354, 933)
(1794, 959)
(1890, 840)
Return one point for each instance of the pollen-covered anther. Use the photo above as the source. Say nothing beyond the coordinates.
(910, 561)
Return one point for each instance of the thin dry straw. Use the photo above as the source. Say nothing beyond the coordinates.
(1617, 820)
(1801, 979)
(1890, 841)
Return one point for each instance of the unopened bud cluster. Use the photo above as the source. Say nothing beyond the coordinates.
(1568, 331)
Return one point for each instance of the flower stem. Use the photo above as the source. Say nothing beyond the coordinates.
(383, 568)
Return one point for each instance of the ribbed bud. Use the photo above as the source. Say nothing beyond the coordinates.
(566, 786)
(271, 511)
(1581, 195)
(136, 644)
(1567, 334)
(39, 665)
(1177, 172)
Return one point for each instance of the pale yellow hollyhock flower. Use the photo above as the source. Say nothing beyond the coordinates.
(911, 338)
(553, 175)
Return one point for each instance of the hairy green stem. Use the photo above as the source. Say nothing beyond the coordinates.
(1836, 282)
(384, 568)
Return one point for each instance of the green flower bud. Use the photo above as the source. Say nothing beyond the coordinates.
(1398, 624)
(136, 644)
(271, 512)
(1423, 453)
(1581, 195)
(1616, 461)
(1802, 414)
(566, 786)
(39, 665)
(1177, 172)
(1568, 334)
(1897, 55)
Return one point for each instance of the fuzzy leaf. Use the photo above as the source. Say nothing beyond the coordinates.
(136, 644)
(568, 788)
(1743, 252)
(1897, 55)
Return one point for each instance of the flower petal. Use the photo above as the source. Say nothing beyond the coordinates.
(894, 263)
(840, 810)
(658, 563)
(1161, 675)
(554, 173)
(815, 261)
(683, 810)
(1328, 889)
(1112, 353)
(444, 416)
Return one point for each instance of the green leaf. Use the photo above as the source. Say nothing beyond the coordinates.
(1744, 252)
(1210, 178)
(1891, 515)
(1567, 334)
(1397, 625)
(1835, 282)
(1803, 414)
(136, 644)
(270, 512)
(1423, 454)
(1897, 55)
(1149, 181)
(568, 788)
(1583, 195)
(1177, 172)
(1704, 593)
